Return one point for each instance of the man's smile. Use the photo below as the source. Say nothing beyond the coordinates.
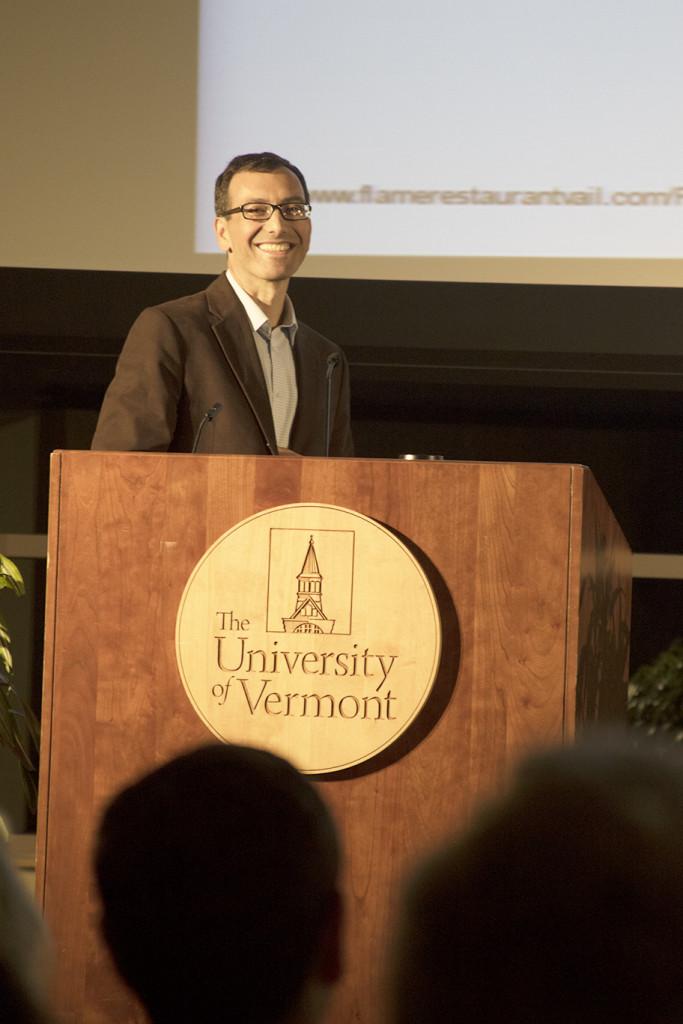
(275, 247)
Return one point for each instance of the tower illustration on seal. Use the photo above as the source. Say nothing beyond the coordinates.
(308, 615)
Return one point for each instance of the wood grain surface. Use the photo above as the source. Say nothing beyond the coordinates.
(519, 555)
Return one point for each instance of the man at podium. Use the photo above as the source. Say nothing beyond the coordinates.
(230, 369)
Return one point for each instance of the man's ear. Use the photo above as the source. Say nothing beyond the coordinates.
(330, 960)
(222, 233)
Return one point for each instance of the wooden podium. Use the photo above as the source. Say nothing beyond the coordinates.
(532, 577)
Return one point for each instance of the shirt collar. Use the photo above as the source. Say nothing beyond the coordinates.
(260, 323)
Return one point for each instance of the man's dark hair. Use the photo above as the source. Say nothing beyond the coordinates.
(217, 873)
(252, 162)
(563, 902)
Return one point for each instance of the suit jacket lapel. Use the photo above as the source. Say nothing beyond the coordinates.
(308, 427)
(232, 328)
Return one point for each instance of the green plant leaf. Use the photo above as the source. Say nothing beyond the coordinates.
(19, 733)
(5, 653)
(655, 694)
(5, 661)
(19, 727)
(10, 576)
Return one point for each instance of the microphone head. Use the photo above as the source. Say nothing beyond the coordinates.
(332, 363)
(214, 410)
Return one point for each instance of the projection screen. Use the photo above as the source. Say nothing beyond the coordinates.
(439, 132)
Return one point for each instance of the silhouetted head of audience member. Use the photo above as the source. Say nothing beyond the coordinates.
(563, 903)
(218, 877)
(18, 1004)
(24, 952)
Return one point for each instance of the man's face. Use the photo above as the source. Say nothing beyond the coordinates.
(260, 251)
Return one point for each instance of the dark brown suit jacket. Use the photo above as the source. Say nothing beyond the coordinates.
(183, 356)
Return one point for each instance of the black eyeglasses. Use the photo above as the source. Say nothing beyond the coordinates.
(264, 211)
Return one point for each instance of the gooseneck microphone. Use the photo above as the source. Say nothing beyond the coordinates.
(209, 415)
(332, 363)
